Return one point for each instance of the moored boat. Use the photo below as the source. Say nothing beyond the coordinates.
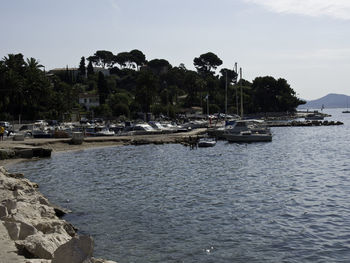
(248, 136)
(206, 142)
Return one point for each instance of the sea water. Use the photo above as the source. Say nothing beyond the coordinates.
(283, 201)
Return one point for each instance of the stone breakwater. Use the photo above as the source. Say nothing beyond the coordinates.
(303, 123)
(31, 229)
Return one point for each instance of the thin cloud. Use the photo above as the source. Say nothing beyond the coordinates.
(339, 9)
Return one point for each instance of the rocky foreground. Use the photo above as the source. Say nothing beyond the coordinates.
(31, 229)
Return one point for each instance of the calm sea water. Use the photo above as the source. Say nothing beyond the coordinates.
(284, 201)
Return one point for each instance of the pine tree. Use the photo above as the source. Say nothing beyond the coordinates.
(102, 88)
(90, 69)
(82, 68)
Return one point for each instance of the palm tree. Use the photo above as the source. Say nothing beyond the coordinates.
(14, 62)
(33, 64)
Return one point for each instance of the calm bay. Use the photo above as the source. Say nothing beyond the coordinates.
(283, 201)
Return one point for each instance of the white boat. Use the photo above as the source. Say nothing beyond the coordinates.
(104, 132)
(238, 126)
(248, 131)
(141, 129)
(161, 127)
(206, 142)
(248, 136)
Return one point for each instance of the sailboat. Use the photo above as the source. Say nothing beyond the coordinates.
(347, 107)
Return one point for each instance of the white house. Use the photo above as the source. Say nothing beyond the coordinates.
(89, 100)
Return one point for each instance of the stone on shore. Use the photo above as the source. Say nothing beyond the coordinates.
(77, 250)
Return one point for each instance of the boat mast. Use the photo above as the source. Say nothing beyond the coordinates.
(240, 77)
(226, 96)
(236, 90)
(208, 105)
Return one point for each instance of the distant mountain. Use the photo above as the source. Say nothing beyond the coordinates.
(329, 101)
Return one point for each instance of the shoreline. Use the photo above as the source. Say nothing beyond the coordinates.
(64, 145)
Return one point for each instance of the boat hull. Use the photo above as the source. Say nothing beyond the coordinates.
(248, 138)
(206, 144)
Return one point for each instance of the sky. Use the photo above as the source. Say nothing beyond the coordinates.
(306, 42)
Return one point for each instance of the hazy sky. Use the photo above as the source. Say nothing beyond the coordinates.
(307, 42)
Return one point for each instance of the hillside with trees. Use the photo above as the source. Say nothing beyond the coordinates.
(127, 84)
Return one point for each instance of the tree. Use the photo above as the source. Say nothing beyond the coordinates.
(138, 58)
(159, 66)
(147, 86)
(33, 64)
(271, 95)
(206, 62)
(123, 59)
(192, 87)
(102, 58)
(15, 62)
(90, 69)
(82, 68)
(102, 88)
(231, 75)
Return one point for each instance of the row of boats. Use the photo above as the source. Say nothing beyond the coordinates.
(41, 129)
(232, 131)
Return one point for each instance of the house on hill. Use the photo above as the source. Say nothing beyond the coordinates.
(89, 100)
(75, 71)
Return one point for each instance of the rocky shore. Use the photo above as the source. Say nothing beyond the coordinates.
(31, 229)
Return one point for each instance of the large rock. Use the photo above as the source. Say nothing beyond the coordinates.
(77, 250)
(40, 245)
(19, 230)
(3, 211)
(6, 154)
(24, 153)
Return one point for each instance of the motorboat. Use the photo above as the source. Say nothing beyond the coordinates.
(104, 132)
(314, 116)
(248, 136)
(98, 131)
(206, 142)
(41, 133)
(248, 131)
(161, 127)
(238, 126)
(196, 124)
(140, 129)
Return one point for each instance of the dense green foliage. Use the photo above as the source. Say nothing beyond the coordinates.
(128, 84)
